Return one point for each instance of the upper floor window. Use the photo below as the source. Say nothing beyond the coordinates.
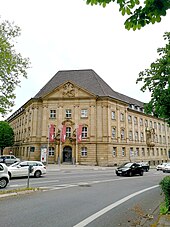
(130, 135)
(113, 115)
(136, 135)
(122, 134)
(68, 113)
(52, 113)
(143, 151)
(146, 123)
(84, 132)
(159, 126)
(141, 121)
(141, 136)
(129, 118)
(84, 113)
(155, 125)
(122, 117)
(113, 132)
(135, 120)
(68, 132)
(150, 124)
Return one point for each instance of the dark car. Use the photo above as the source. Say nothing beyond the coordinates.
(130, 169)
(145, 166)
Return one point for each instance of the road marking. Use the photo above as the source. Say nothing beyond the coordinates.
(108, 208)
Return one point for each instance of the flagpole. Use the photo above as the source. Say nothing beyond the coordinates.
(48, 145)
(76, 146)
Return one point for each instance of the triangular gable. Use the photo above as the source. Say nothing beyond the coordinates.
(68, 90)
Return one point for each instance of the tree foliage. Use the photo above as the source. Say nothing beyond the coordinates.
(12, 65)
(156, 79)
(139, 13)
(6, 135)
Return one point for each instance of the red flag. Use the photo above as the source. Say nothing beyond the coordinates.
(79, 133)
(63, 134)
(51, 133)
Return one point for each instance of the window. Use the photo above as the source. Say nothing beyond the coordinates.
(123, 151)
(129, 118)
(157, 151)
(114, 152)
(135, 120)
(153, 152)
(84, 113)
(146, 123)
(143, 151)
(68, 132)
(68, 113)
(150, 124)
(84, 132)
(159, 126)
(141, 121)
(160, 139)
(52, 113)
(84, 151)
(131, 151)
(51, 151)
(130, 135)
(122, 117)
(141, 136)
(113, 115)
(122, 134)
(155, 125)
(136, 136)
(113, 132)
(137, 151)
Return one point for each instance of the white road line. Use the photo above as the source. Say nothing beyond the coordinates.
(108, 208)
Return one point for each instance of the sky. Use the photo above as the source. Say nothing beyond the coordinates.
(71, 35)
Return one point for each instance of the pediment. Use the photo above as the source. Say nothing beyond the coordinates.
(69, 90)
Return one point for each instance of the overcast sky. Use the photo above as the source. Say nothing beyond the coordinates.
(68, 34)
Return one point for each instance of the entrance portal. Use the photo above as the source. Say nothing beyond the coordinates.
(67, 154)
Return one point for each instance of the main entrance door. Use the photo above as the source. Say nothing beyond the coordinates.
(67, 154)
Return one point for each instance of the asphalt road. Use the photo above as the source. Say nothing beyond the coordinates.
(96, 198)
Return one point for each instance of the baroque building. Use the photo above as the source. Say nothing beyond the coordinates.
(114, 127)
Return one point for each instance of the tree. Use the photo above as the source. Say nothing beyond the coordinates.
(140, 13)
(6, 135)
(157, 81)
(12, 66)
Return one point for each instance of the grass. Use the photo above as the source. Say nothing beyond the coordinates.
(18, 190)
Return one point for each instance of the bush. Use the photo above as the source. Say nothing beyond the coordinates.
(165, 186)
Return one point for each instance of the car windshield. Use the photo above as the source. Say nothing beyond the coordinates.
(127, 165)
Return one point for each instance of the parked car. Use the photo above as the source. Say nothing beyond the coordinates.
(20, 169)
(4, 177)
(130, 169)
(145, 166)
(8, 159)
(166, 169)
(161, 166)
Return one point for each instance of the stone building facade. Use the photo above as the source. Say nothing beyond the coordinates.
(115, 128)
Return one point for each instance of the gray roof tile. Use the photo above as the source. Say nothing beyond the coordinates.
(87, 79)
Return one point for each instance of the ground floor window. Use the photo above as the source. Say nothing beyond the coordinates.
(84, 151)
(51, 151)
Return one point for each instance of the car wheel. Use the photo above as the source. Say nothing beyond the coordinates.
(37, 174)
(3, 182)
(130, 173)
(141, 173)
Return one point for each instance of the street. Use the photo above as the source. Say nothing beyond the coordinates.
(83, 197)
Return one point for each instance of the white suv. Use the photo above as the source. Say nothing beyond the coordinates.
(4, 177)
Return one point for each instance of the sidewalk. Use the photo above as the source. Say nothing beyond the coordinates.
(57, 167)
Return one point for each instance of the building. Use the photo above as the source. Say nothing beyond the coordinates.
(112, 127)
